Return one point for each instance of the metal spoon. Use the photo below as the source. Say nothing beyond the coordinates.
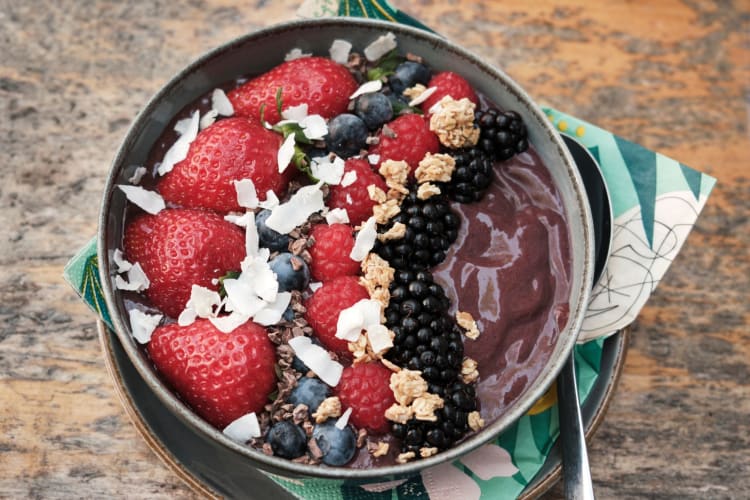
(576, 470)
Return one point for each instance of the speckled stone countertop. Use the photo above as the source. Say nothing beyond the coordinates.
(670, 75)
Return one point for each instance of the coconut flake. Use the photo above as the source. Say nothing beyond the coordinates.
(349, 178)
(367, 88)
(380, 47)
(182, 126)
(294, 113)
(243, 429)
(247, 197)
(379, 337)
(252, 239)
(326, 170)
(286, 153)
(150, 201)
(314, 127)
(143, 325)
(208, 119)
(270, 202)
(136, 281)
(337, 216)
(179, 149)
(357, 317)
(238, 219)
(314, 285)
(221, 103)
(272, 313)
(227, 323)
(340, 50)
(304, 203)
(119, 259)
(295, 53)
(317, 359)
(138, 174)
(373, 159)
(423, 96)
(365, 240)
(343, 419)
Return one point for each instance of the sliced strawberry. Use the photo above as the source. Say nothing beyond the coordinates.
(221, 376)
(321, 83)
(229, 150)
(179, 248)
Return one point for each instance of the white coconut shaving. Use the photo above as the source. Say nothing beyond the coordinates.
(379, 338)
(221, 103)
(295, 113)
(314, 127)
(247, 196)
(119, 260)
(270, 202)
(328, 170)
(243, 429)
(135, 279)
(367, 88)
(373, 159)
(317, 359)
(179, 150)
(340, 50)
(286, 153)
(208, 119)
(203, 303)
(380, 47)
(314, 285)
(143, 325)
(423, 96)
(138, 174)
(150, 201)
(343, 420)
(349, 178)
(296, 53)
(365, 240)
(252, 239)
(228, 323)
(357, 317)
(272, 313)
(304, 203)
(238, 219)
(337, 216)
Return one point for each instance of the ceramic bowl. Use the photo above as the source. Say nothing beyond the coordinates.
(258, 52)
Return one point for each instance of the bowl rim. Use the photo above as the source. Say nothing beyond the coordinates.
(286, 467)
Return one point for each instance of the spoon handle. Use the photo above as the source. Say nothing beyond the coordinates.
(576, 471)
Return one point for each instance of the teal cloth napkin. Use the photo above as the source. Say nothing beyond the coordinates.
(656, 201)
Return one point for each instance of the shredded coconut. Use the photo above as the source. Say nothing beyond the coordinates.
(221, 103)
(380, 47)
(367, 88)
(143, 325)
(150, 201)
(286, 153)
(179, 150)
(340, 50)
(243, 429)
(296, 53)
(364, 241)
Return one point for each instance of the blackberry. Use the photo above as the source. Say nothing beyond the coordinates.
(502, 133)
(426, 338)
(431, 228)
(451, 425)
(472, 175)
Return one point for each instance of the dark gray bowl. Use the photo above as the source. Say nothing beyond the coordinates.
(261, 50)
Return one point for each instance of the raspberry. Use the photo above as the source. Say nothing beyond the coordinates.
(324, 306)
(330, 252)
(355, 197)
(365, 389)
(452, 84)
(406, 138)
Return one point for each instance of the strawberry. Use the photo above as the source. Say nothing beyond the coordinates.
(324, 306)
(355, 198)
(330, 252)
(178, 248)
(406, 138)
(222, 376)
(365, 389)
(231, 149)
(321, 83)
(452, 84)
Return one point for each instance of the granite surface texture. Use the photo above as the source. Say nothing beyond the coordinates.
(671, 75)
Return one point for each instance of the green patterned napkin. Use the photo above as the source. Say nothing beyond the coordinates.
(656, 201)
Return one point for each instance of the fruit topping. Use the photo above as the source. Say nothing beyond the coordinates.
(374, 109)
(269, 238)
(287, 439)
(347, 135)
(330, 252)
(337, 445)
(365, 389)
(407, 74)
(503, 133)
(354, 197)
(472, 175)
(407, 138)
(291, 272)
(222, 376)
(449, 84)
(310, 392)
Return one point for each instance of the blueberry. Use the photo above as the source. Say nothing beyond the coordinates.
(268, 237)
(287, 439)
(297, 363)
(337, 445)
(310, 392)
(347, 135)
(408, 74)
(375, 109)
(288, 316)
(291, 272)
